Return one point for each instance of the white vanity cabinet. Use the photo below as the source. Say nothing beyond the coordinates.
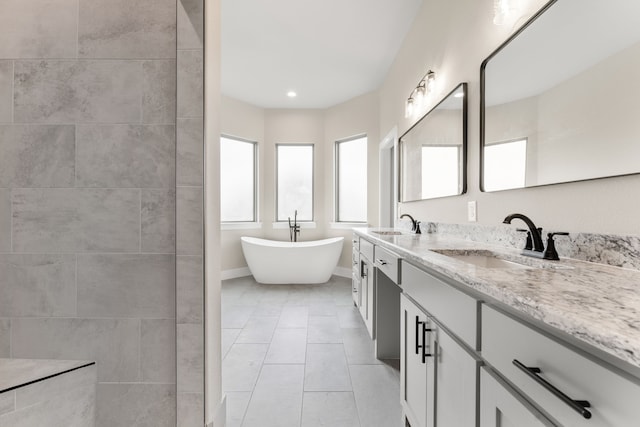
(417, 373)
(556, 377)
(438, 370)
(363, 289)
(500, 406)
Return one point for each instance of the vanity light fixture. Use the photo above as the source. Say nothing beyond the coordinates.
(417, 96)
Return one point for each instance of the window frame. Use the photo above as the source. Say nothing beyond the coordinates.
(255, 180)
(313, 178)
(336, 183)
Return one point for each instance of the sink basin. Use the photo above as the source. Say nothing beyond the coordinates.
(387, 233)
(486, 259)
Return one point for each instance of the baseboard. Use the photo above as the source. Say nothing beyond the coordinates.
(235, 273)
(342, 272)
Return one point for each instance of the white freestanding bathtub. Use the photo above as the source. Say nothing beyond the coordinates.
(271, 261)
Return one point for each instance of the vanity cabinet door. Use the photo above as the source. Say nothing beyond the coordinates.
(416, 371)
(369, 318)
(456, 381)
(500, 407)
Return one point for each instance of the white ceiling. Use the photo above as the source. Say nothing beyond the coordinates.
(328, 51)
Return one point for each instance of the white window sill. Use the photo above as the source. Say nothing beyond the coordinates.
(347, 225)
(240, 226)
(285, 224)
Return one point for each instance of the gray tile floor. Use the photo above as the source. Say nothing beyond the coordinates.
(300, 356)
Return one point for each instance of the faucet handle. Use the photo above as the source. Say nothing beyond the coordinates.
(529, 244)
(550, 253)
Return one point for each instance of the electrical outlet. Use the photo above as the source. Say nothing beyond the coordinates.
(472, 213)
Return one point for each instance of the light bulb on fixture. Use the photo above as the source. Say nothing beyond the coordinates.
(409, 108)
(501, 11)
(419, 94)
(431, 81)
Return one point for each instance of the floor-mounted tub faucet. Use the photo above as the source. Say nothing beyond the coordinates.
(415, 225)
(294, 229)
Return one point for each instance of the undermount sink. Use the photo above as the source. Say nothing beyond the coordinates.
(491, 259)
(387, 233)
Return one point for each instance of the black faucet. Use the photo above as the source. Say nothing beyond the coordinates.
(534, 237)
(294, 229)
(534, 232)
(415, 225)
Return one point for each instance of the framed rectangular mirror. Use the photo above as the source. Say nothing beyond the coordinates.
(433, 153)
(559, 99)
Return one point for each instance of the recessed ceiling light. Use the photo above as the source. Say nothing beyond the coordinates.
(291, 94)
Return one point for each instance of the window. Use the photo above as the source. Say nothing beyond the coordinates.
(440, 170)
(351, 180)
(505, 165)
(294, 181)
(237, 180)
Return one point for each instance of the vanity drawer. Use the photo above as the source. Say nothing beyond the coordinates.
(355, 241)
(613, 398)
(387, 262)
(366, 249)
(450, 306)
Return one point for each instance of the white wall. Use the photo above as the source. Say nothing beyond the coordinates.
(453, 39)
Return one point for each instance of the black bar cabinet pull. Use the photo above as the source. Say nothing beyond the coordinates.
(418, 346)
(577, 405)
(424, 342)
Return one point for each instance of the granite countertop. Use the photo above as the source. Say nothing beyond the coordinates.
(595, 303)
(15, 373)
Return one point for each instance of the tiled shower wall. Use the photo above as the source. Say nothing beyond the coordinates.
(189, 233)
(88, 194)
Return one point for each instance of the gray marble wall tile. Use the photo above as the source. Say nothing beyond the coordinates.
(157, 350)
(77, 91)
(5, 219)
(190, 83)
(144, 405)
(190, 289)
(76, 220)
(190, 363)
(158, 221)
(83, 378)
(112, 343)
(6, 91)
(37, 155)
(37, 285)
(127, 29)
(5, 338)
(190, 24)
(38, 28)
(190, 152)
(125, 156)
(65, 400)
(189, 220)
(126, 285)
(7, 402)
(159, 92)
(190, 409)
